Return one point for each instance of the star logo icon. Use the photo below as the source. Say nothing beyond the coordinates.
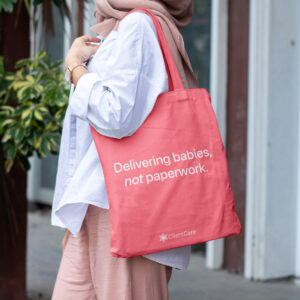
(163, 237)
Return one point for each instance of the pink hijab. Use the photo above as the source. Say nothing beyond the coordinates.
(172, 14)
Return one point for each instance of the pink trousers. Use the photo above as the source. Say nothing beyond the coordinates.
(88, 271)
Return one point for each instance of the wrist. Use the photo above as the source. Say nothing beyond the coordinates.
(72, 61)
(77, 73)
(71, 69)
(70, 64)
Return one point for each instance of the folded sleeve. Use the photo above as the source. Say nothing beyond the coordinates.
(121, 90)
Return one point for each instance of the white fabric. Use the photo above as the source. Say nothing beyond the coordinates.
(126, 75)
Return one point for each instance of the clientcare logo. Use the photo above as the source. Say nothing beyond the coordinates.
(170, 236)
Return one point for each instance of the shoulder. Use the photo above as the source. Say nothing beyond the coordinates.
(137, 21)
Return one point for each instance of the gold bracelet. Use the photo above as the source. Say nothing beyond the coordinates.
(71, 69)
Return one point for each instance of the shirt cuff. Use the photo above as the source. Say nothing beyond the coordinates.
(79, 101)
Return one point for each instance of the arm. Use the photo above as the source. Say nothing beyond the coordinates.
(120, 92)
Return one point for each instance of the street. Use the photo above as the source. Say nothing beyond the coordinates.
(197, 283)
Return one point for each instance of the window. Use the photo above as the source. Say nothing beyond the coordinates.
(197, 41)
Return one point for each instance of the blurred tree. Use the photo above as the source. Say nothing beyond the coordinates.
(33, 101)
(14, 45)
(13, 204)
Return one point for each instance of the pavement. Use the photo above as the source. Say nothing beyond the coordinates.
(196, 283)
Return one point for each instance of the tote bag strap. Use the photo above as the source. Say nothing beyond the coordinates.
(174, 80)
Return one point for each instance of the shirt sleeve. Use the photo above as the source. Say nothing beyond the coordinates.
(120, 92)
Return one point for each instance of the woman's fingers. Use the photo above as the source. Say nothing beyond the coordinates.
(89, 49)
(81, 50)
(89, 38)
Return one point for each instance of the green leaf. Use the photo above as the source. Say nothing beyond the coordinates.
(7, 109)
(9, 134)
(11, 152)
(22, 62)
(8, 165)
(7, 5)
(26, 122)
(24, 162)
(20, 109)
(45, 147)
(27, 131)
(26, 113)
(24, 149)
(38, 115)
(8, 122)
(49, 96)
(24, 93)
(2, 70)
(59, 115)
(10, 77)
(37, 142)
(42, 109)
(55, 139)
(19, 135)
(30, 79)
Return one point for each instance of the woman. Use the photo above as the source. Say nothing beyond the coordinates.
(115, 93)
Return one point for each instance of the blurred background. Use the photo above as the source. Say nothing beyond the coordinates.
(246, 53)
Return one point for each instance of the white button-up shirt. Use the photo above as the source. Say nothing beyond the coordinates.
(124, 79)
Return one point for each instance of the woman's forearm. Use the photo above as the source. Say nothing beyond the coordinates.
(77, 73)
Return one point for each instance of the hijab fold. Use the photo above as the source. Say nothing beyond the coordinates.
(172, 15)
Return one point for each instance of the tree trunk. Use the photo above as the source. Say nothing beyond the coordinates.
(237, 92)
(13, 224)
(14, 45)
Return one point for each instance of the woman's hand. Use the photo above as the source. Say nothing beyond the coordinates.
(80, 51)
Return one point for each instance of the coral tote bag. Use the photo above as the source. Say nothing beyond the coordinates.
(168, 183)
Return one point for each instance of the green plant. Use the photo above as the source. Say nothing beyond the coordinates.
(32, 122)
(7, 5)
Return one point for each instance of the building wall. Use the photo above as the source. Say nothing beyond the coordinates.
(283, 137)
(273, 140)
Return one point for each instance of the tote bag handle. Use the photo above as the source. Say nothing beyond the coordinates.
(174, 80)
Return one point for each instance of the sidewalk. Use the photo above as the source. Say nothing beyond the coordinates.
(197, 283)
